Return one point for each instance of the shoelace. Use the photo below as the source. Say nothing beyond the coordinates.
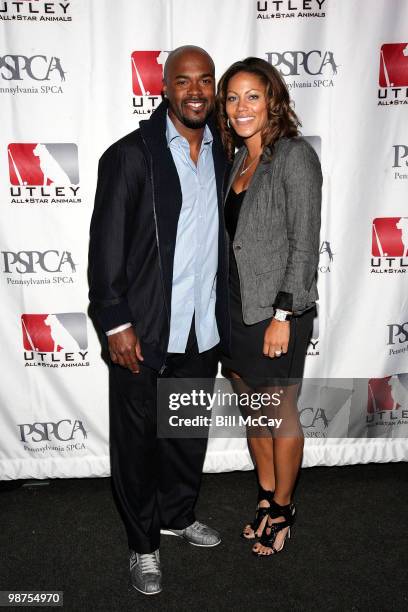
(198, 526)
(149, 564)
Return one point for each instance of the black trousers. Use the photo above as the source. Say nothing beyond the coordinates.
(155, 481)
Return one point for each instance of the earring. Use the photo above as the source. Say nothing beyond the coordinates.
(228, 123)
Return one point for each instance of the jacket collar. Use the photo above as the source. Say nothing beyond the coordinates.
(153, 131)
(154, 128)
(172, 133)
(263, 167)
(266, 166)
(167, 194)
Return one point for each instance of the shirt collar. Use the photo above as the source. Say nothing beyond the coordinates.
(172, 133)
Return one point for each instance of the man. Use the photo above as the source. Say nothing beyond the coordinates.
(158, 285)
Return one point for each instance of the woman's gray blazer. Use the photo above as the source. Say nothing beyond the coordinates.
(276, 243)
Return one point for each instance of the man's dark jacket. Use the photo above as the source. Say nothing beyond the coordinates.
(133, 237)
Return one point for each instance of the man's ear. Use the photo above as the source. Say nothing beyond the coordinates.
(164, 88)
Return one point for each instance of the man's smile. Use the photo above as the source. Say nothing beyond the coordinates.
(195, 104)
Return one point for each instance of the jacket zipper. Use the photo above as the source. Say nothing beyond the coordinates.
(226, 253)
(163, 367)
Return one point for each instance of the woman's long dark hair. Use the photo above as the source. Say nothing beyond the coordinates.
(282, 119)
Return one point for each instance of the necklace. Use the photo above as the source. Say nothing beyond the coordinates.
(248, 167)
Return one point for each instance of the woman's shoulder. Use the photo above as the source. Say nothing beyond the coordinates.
(297, 152)
(295, 143)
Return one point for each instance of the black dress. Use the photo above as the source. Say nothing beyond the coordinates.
(247, 358)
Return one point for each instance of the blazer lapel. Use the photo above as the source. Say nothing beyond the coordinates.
(262, 168)
(249, 198)
(239, 158)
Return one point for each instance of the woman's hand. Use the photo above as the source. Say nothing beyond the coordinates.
(276, 339)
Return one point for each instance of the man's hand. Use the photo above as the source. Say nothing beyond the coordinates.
(276, 339)
(124, 349)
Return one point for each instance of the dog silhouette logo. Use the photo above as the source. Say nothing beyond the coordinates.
(390, 237)
(388, 393)
(52, 333)
(43, 164)
(394, 65)
(147, 72)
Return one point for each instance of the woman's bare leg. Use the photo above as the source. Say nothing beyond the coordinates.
(262, 453)
(288, 444)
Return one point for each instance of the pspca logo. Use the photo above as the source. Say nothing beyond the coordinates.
(57, 340)
(389, 248)
(290, 9)
(32, 70)
(43, 173)
(147, 80)
(393, 74)
(324, 409)
(316, 68)
(397, 338)
(387, 403)
(34, 11)
(400, 161)
(64, 435)
(326, 257)
(25, 268)
(313, 347)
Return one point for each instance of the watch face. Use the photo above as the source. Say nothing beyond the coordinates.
(282, 315)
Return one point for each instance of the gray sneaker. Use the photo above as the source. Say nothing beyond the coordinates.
(145, 573)
(197, 534)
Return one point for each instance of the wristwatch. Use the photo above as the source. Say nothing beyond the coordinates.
(282, 315)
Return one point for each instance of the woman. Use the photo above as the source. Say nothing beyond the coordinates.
(272, 215)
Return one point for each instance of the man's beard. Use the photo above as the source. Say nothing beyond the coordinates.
(195, 124)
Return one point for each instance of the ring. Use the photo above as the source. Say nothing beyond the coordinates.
(278, 353)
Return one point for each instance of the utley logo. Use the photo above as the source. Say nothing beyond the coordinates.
(316, 68)
(387, 404)
(393, 76)
(43, 173)
(147, 80)
(55, 340)
(32, 71)
(38, 267)
(290, 9)
(34, 11)
(389, 245)
(64, 435)
(400, 160)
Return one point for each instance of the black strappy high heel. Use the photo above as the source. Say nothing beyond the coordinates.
(271, 530)
(260, 514)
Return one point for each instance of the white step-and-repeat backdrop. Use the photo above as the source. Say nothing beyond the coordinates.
(74, 77)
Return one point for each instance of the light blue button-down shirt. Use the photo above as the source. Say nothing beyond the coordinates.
(196, 253)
